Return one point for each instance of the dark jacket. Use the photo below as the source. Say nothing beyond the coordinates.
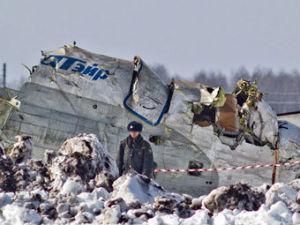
(135, 154)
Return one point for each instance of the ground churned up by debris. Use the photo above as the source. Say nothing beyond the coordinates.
(79, 184)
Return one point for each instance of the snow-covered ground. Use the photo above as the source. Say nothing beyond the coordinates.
(79, 185)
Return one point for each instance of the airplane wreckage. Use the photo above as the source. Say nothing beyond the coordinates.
(190, 125)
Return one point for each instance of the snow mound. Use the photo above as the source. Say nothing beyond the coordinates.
(134, 187)
(285, 193)
(84, 157)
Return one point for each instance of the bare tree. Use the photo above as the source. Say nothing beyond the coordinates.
(162, 72)
(212, 79)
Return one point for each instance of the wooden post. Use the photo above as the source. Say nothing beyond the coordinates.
(4, 75)
(276, 159)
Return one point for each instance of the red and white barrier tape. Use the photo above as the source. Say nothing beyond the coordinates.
(220, 169)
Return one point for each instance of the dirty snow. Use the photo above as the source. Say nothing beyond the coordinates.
(79, 185)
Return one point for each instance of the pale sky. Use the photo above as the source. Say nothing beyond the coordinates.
(185, 36)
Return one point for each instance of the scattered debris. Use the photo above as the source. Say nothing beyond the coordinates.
(22, 149)
(79, 185)
(238, 196)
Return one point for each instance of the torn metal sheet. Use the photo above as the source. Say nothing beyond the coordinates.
(6, 109)
(148, 95)
(212, 96)
(227, 116)
(73, 70)
(180, 110)
(289, 139)
(264, 124)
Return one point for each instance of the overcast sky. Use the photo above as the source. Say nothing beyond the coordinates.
(185, 36)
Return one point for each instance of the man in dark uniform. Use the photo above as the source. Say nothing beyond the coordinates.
(135, 153)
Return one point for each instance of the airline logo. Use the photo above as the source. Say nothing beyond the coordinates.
(75, 65)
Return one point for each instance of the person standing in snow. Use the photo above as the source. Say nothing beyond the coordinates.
(135, 153)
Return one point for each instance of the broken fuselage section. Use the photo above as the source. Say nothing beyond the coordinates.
(190, 124)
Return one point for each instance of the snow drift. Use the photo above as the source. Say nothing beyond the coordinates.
(79, 185)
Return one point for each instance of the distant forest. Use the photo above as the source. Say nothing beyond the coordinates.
(281, 89)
